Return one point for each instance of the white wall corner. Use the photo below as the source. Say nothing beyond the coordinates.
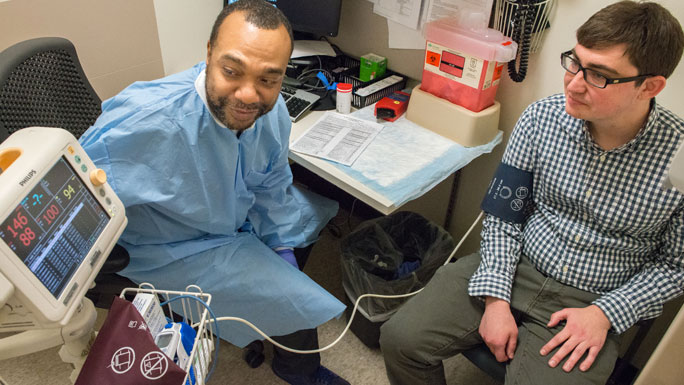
(184, 27)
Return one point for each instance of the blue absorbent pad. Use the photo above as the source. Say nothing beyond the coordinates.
(406, 160)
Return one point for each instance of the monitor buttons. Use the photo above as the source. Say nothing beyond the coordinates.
(98, 177)
(95, 257)
(69, 295)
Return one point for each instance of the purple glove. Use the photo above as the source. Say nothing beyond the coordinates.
(288, 255)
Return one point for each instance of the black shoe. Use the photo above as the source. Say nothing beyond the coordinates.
(323, 376)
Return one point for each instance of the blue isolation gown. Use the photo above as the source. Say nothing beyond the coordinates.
(206, 208)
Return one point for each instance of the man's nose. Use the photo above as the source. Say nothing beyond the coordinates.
(247, 93)
(577, 82)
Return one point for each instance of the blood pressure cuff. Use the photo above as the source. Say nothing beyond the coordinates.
(509, 195)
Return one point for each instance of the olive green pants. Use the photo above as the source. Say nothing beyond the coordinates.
(443, 320)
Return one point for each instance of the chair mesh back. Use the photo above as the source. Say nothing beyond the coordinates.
(47, 90)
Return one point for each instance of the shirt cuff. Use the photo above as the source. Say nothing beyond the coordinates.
(619, 311)
(490, 285)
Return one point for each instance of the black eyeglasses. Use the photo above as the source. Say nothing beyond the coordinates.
(591, 76)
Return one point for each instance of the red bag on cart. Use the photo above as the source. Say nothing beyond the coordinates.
(124, 353)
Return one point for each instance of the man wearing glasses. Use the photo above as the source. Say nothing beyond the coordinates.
(602, 246)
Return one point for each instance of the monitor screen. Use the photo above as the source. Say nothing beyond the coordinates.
(314, 17)
(55, 226)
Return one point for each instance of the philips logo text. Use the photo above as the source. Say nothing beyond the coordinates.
(27, 178)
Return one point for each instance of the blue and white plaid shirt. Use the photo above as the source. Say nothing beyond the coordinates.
(601, 220)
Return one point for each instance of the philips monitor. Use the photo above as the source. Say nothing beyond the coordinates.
(309, 17)
(59, 220)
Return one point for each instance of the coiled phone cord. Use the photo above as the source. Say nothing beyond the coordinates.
(524, 18)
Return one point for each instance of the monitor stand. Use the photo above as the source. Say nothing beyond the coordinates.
(76, 338)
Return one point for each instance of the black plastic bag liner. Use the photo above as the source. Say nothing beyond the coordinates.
(373, 254)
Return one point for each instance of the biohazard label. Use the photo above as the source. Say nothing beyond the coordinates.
(461, 67)
(432, 58)
(498, 69)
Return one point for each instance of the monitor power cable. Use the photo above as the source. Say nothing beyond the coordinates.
(356, 304)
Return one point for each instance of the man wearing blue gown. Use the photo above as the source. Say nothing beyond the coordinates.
(199, 159)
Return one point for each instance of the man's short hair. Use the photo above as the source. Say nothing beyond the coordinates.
(260, 13)
(653, 37)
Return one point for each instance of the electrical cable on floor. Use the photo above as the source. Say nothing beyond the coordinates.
(351, 212)
(335, 227)
(356, 304)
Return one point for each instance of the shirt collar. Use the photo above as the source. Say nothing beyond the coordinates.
(578, 129)
(647, 129)
(201, 88)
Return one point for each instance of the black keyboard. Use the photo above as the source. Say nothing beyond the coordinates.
(297, 101)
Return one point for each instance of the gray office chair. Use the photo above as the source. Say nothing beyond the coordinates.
(42, 83)
(483, 358)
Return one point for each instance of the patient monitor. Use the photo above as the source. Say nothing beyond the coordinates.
(59, 219)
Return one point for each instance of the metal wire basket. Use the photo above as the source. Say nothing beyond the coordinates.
(505, 12)
(185, 305)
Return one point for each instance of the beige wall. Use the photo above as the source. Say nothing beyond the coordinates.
(362, 31)
(116, 41)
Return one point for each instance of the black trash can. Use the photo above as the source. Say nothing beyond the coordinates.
(390, 255)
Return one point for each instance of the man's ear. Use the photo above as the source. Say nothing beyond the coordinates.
(208, 51)
(652, 87)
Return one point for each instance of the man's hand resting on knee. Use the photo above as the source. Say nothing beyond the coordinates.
(585, 331)
(498, 328)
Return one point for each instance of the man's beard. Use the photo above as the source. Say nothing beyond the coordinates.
(219, 105)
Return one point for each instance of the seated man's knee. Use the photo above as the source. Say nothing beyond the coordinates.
(396, 338)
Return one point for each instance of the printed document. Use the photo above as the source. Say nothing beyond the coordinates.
(438, 9)
(337, 137)
(404, 33)
(405, 12)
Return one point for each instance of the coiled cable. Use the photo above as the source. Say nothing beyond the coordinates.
(522, 23)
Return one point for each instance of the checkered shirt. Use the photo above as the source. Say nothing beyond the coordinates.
(601, 220)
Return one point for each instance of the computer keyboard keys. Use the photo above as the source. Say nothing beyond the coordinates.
(297, 101)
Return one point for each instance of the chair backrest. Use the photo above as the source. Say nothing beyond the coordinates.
(42, 83)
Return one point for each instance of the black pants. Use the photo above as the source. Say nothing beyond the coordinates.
(294, 363)
(307, 339)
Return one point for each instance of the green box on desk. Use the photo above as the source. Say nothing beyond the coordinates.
(372, 66)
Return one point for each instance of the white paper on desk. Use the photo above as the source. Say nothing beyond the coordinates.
(337, 137)
(303, 48)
